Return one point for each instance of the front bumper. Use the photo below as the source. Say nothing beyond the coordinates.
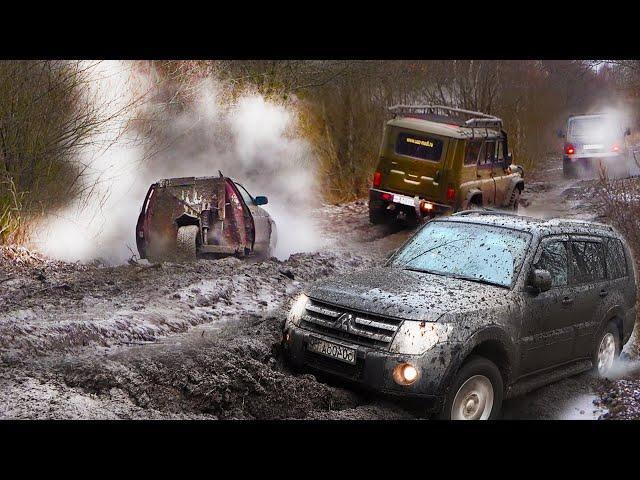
(411, 205)
(373, 369)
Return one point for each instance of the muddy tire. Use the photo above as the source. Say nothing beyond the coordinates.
(475, 204)
(377, 217)
(476, 392)
(514, 201)
(606, 350)
(569, 170)
(187, 243)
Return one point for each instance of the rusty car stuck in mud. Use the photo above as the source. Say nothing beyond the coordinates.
(185, 218)
(438, 160)
(474, 308)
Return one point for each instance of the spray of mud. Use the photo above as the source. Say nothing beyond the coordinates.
(251, 140)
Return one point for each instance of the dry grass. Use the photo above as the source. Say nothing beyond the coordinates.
(620, 205)
(12, 221)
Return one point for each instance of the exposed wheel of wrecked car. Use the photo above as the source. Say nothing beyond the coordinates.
(607, 350)
(476, 392)
(187, 242)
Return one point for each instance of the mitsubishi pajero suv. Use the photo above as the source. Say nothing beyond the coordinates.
(475, 307)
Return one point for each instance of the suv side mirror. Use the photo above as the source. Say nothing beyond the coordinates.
(540, 279)
(261, 200)
(560, 133)
(509, 159)
(627, 132)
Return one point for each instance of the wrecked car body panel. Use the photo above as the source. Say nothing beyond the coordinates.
(397, 314)
(225, 222)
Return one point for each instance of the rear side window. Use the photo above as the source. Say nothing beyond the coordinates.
(587, 262)
(472, 152)
(616, 260)
(555, 260)
(487, 153)
(426, 148)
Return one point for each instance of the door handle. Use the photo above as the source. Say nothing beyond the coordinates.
(567, 301)
(603, 293)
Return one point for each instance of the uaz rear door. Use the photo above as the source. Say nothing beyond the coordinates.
(416, 163)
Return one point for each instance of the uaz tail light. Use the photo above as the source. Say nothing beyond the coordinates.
(451, 194)
(569, 149)
(377, 179)
(615, 148)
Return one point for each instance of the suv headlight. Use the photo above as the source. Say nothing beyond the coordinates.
(297, 309)
(415, 338)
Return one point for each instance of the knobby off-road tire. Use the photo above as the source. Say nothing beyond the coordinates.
(476, 392)
(606, 350)
(514, 201)
(377, 217)
(187, 243)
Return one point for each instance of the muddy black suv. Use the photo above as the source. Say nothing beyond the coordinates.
(475, 307)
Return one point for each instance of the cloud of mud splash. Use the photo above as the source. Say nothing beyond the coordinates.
(251, 140)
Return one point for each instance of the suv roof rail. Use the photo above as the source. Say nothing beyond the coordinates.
(444, 114)
(586, 223)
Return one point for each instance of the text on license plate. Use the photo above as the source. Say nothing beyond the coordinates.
(594, 146)
(403, 200)
(333, 350)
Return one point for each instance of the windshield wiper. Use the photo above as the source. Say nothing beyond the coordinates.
(454, 275)
(479, 280)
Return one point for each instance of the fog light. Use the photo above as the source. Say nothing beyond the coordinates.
(405, 374)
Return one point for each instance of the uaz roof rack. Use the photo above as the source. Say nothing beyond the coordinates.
(444, 114)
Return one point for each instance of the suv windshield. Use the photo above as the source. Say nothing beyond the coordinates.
(475, 252)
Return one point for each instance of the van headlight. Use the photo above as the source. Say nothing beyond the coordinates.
(297, 309)
(415, 338)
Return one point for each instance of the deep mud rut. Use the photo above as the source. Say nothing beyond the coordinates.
(201, 340)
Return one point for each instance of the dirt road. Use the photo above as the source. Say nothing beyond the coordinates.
(201, 340)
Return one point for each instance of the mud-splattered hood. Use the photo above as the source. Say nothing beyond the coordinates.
(405, 294)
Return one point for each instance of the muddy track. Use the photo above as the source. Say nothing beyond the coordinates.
(201, 340)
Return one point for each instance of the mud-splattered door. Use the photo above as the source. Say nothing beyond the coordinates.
(549, 333)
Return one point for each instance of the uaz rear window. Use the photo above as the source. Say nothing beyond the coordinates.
(418, 146)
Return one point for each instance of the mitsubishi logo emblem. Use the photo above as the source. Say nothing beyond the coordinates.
(344, 321)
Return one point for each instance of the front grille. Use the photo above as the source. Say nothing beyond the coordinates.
(360, 328)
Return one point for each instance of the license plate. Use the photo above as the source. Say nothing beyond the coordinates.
(333, 350)
(403, 200)
(594, 146)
